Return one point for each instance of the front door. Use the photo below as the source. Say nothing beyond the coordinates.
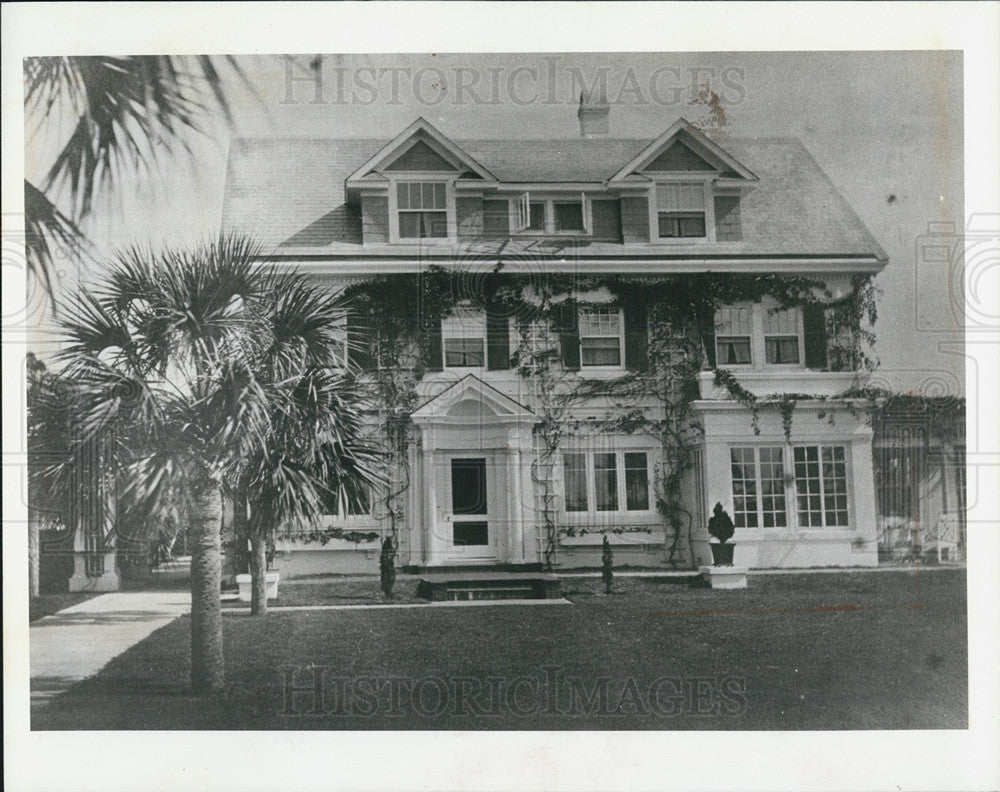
(470, 508)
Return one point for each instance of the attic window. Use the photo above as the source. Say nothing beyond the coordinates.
(681, 210)
(422, 210)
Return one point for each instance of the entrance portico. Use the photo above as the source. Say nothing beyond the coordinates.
(472, 503)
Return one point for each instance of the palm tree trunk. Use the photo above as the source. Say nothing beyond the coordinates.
(33, 556)
(207, 667)
(258, 573)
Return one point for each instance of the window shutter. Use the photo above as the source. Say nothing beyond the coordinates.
(814, 327)
(707, 330)
(588, 227)
(569, 336)
(358, 342)
(497, 342)
(435, 351)
(636, 336)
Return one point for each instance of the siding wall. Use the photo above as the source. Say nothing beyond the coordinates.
(469, 216)
(728, 227)
(374, 219)
(635, 219)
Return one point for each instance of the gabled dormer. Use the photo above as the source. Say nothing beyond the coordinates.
(407, 190)
(682, 188)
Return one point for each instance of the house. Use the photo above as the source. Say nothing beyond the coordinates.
(634, 331)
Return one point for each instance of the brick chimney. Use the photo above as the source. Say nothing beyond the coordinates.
(593, 113)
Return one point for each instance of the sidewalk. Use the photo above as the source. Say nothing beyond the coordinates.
(79, 641)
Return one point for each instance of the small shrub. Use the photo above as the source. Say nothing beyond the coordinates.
(387, 566)
(720, 524)
(607, 563)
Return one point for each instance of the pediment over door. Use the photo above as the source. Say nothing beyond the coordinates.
(472, 399)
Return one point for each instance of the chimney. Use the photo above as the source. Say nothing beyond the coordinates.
(593, 113)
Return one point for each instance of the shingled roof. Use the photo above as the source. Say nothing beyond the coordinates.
(290, 192)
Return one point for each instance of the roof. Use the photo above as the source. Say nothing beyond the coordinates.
(290, 194)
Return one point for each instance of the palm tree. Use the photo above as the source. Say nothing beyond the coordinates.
(178, 354)
(123, 114)
(313, 450)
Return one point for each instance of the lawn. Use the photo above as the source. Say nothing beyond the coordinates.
(826, 651)
(47, 604)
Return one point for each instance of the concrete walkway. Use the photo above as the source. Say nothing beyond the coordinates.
(79, 641)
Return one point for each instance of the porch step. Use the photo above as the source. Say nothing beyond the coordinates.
(487, 585)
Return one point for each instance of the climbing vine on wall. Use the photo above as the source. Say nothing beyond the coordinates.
(655, 400)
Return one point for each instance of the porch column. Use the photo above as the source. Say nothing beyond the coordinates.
(428, 492)
(515, 515)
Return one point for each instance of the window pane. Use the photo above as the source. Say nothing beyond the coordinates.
(807, 486)
(569, 216)
(834, 485)
(428, 195)
(732, 350)
(416, 201)
(600, 352)
(781, 349)
(605, 482)
(468, 486)
(743, 469)
(537, 222)
(435, 225)
(575, 482)
(439, 196)
(636, 482)
(681, 224)
(772, 487)
(678, 196)
(403, 195)
(409, 225)
(693, 226)
(460, 352)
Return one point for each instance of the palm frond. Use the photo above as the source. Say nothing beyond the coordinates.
(46, 231)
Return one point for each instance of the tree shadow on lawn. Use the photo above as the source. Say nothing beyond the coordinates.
(895, 658)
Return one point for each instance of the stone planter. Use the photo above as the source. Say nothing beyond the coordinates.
(724, 577)
(270, 586)
(722, 553)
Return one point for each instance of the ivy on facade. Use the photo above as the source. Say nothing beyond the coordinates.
(655, 400)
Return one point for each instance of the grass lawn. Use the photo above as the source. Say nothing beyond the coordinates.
(47, 604)
(825, 651)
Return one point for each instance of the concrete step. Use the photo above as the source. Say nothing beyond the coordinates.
(487, 585)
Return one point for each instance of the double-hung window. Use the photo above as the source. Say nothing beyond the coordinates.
(758, 335)
(734, 336)
(464, 338)
(606, 481)
(423, 210)
(680, 208)
(601, 335)
(782, 330)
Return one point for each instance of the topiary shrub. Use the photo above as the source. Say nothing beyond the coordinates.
(720, 524)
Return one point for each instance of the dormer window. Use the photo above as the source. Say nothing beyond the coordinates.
(423, 209)
(681, 211)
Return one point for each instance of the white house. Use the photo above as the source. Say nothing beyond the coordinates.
(517, 463)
